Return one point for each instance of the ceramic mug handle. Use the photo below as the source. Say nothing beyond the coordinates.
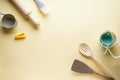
(107, 49)
(103, 52)
(113, 55)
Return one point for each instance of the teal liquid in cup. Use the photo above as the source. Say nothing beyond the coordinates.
(106, 39)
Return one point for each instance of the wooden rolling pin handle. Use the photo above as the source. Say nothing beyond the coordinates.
(27, 12)
(33, 19)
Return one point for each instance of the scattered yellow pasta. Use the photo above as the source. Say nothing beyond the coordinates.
(20, 36)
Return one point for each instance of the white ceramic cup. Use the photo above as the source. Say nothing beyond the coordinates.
(107, 34)
(8, 21)
(107, 40)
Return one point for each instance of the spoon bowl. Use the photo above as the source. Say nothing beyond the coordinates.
(85, 50)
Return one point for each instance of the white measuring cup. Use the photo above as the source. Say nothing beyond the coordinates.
(8, 21)
(107, 40)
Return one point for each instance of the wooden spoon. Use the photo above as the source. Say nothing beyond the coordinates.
(86, 51)
(81, 67)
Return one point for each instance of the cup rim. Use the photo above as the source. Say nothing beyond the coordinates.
(4, 24)
(113, 41)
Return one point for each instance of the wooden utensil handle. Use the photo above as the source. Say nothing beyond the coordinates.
(102, 75)
(106, 72)
(101, 66)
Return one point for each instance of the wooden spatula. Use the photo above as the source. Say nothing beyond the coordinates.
(81, 67)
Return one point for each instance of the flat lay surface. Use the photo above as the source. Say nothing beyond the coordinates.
(47, 53)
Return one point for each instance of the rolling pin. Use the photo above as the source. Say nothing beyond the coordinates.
(27, 12)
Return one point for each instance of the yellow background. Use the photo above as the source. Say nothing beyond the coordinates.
(48, 53)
